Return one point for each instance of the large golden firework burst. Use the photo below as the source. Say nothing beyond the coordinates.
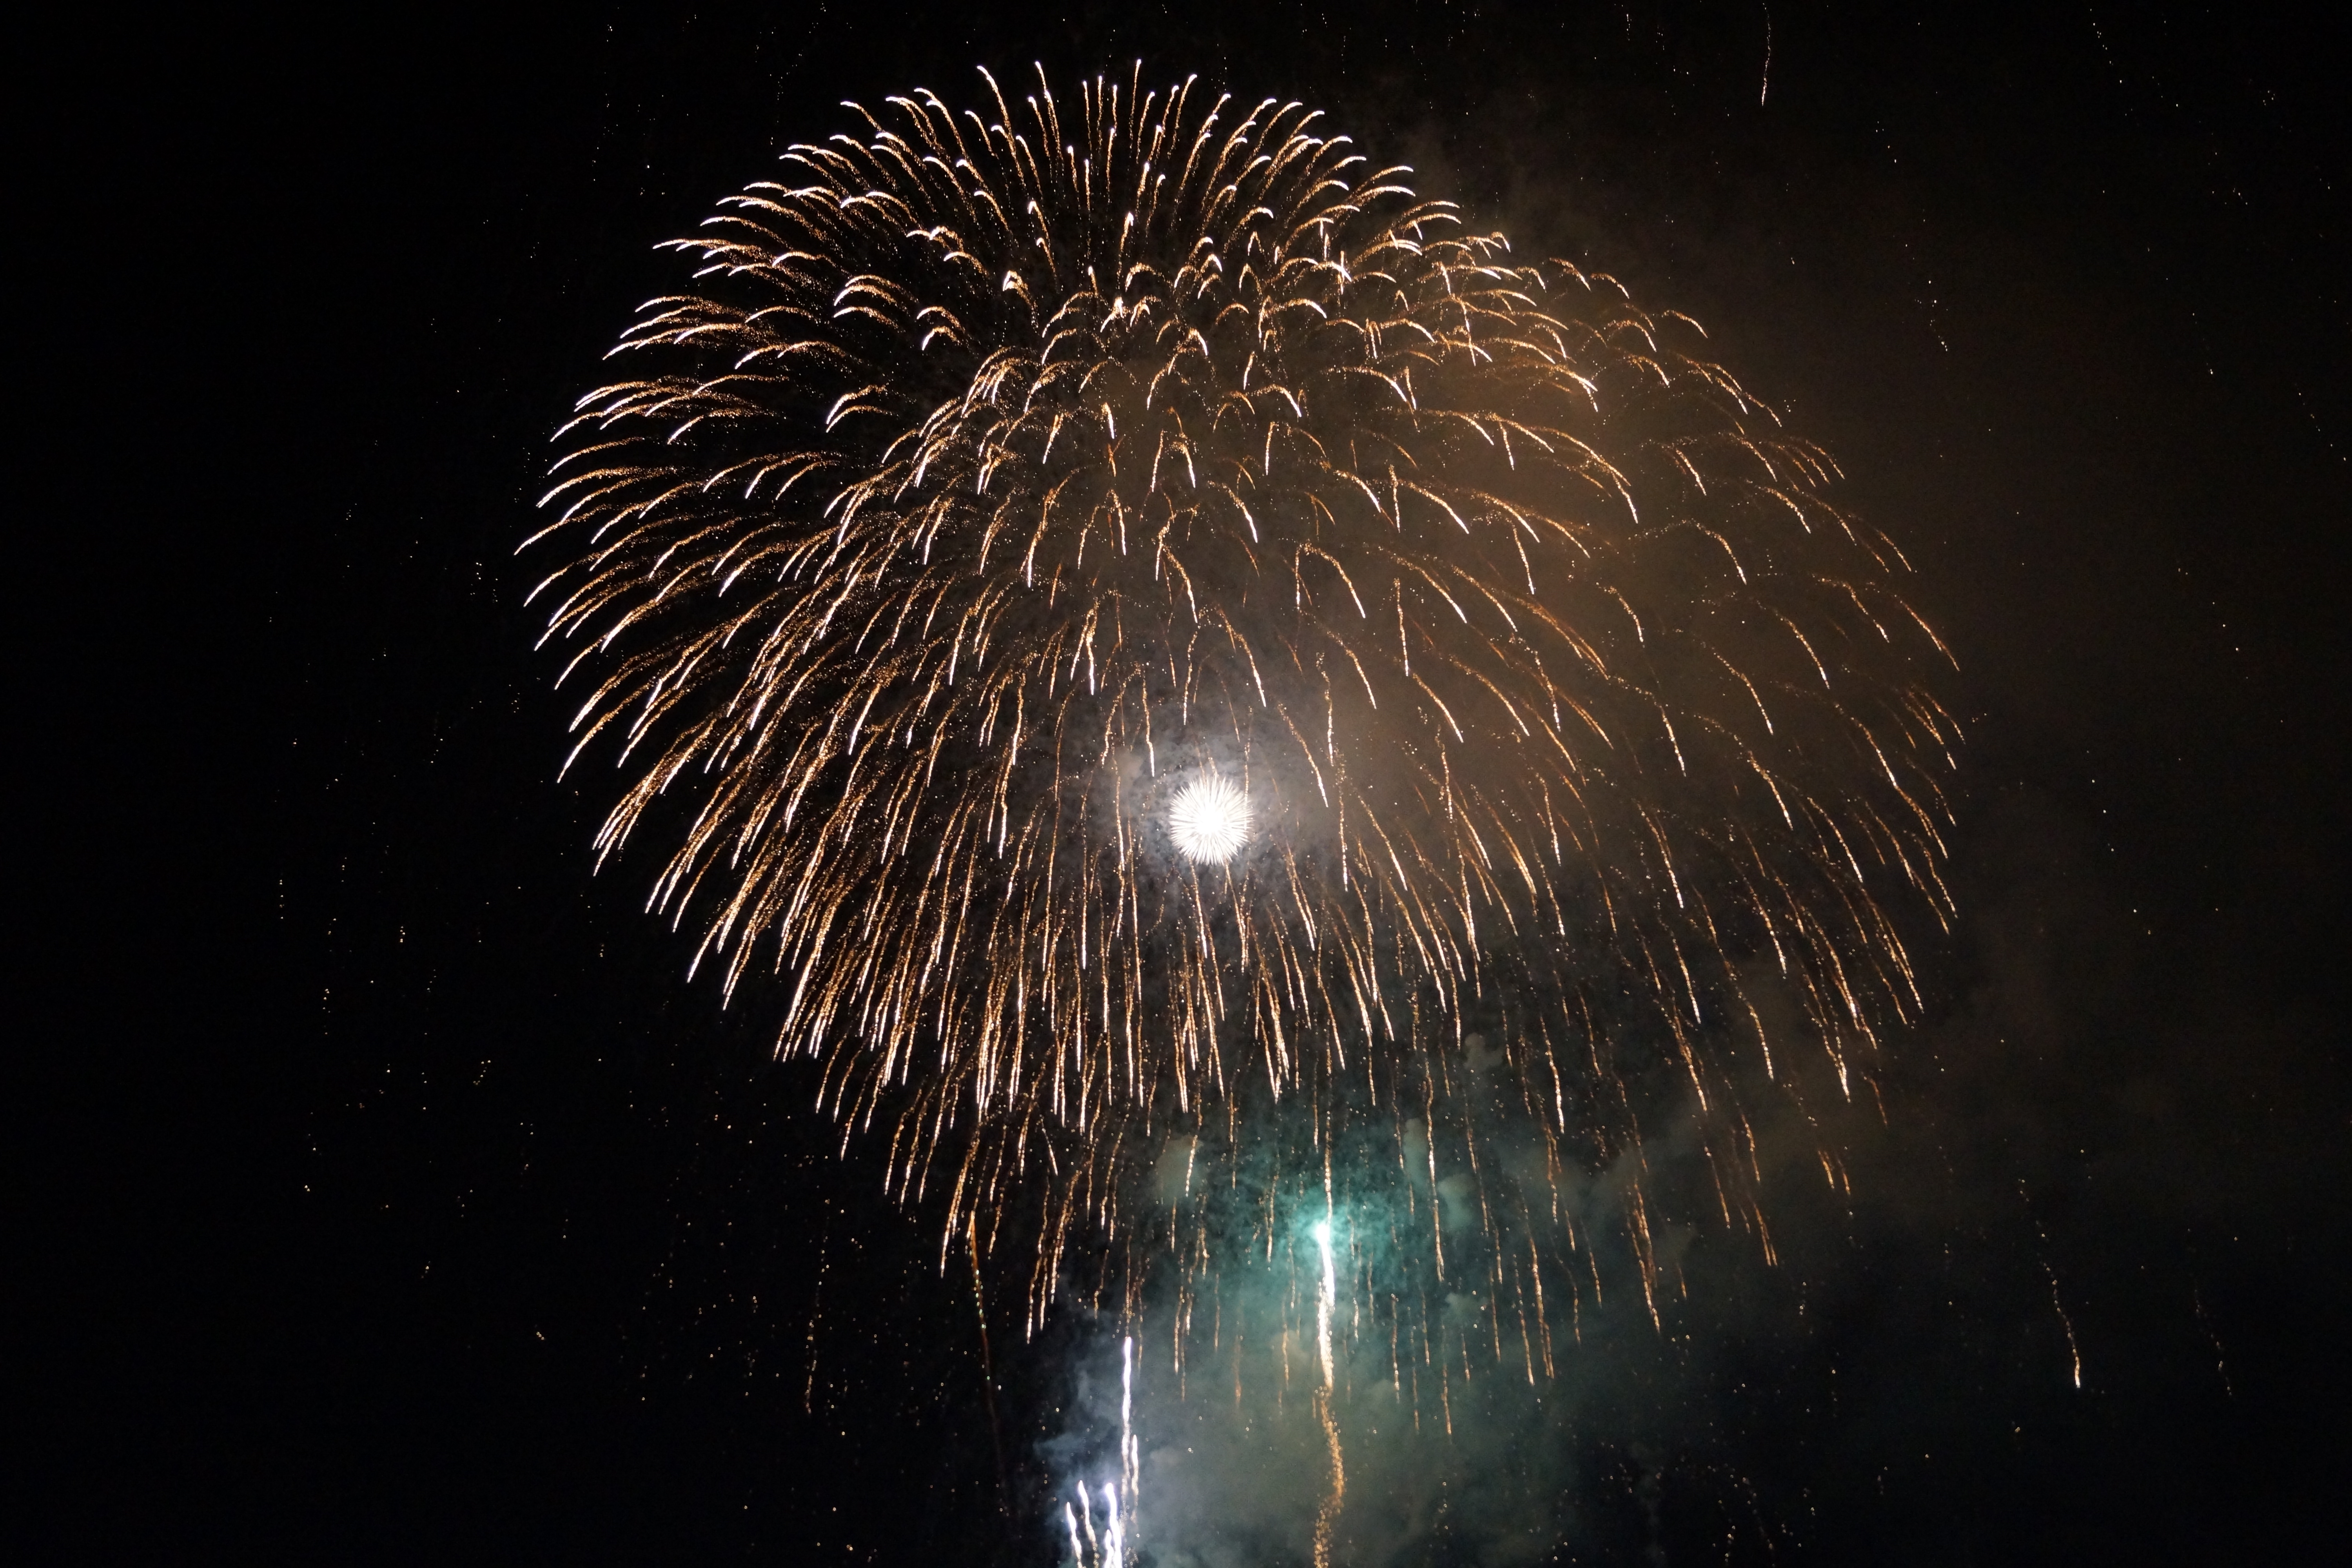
(1005, 478)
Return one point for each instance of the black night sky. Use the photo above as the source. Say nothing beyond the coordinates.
(384, 1191)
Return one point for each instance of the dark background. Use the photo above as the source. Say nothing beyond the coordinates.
(380, 1190)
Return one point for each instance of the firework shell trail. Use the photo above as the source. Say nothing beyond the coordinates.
(1114, 616)
(1326, 1300)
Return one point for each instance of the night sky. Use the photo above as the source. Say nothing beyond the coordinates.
(386, 1192)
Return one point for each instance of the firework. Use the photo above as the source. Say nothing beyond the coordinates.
(1326, 1297)
(1126, 620)
(1209, 820)
(1108, 1547)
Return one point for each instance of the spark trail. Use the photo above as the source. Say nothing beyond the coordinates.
(1325, 1298)
(1110, 1548)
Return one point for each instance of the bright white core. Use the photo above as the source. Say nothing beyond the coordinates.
(1209, 820)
